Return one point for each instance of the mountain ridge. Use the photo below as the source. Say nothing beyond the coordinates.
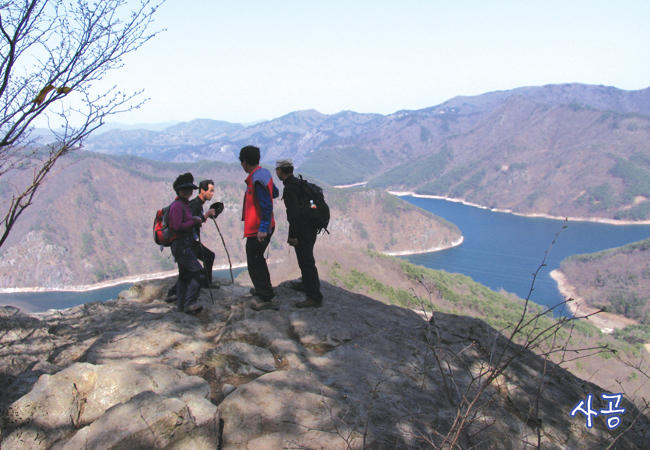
(540, 136)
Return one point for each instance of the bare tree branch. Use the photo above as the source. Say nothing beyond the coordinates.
(51, 53)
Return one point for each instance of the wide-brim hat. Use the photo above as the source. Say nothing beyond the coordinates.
(218, 208)
(185, 181)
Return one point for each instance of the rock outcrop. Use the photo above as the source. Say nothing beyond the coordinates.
(356, 373)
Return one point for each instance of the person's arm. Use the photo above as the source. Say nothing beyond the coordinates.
(266, 206)
(177, 220)
(196, 207)
(292, 203)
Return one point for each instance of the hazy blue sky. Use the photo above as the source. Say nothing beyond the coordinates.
(248, 60)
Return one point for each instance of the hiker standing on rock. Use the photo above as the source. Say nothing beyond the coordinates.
(302, 235)
(190, 273)
(259, 223)
(204, 254)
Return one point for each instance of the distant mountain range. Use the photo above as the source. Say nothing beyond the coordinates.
(564, 150)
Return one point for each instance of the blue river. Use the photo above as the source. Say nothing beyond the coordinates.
(502, 251)
(42, 301)
(499, 250)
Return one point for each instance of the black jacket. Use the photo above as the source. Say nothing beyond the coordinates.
(294, 199)
(196, 208)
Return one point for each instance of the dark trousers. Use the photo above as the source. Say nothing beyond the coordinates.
(206, 256)
(307, 263)
(190, 272)
(257, 268)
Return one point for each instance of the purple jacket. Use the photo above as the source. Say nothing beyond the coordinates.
(180, 217)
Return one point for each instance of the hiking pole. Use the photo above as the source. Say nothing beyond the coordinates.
(205, 268)
(218, 208)
(225, 248)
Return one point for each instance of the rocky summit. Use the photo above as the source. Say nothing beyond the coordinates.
(133, 373)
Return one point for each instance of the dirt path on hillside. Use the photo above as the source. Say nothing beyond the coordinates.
(607, 322)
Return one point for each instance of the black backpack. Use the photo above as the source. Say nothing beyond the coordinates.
(315, 208)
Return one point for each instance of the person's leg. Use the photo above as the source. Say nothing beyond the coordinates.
(184, 278)
(307, 263)
(208, 262)
(189, 273)
(172, 290)
(257, 267)
(194, 289)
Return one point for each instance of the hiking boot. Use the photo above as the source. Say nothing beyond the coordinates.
(266, 298)
(170, 298)
(296, 285)
(180, 309)
(193, 310)
(264, 305)
(310, 303)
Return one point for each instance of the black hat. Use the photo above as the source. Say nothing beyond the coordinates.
(218, 208)
(185, 181)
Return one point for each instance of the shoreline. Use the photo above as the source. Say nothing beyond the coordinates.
(104, 284)
(170, 273)
(531, 215)
(430, 250)
(606, 322)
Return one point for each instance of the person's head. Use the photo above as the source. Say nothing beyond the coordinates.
(184, 185)
(283, 168)
(206, 190)
(249, 157)
(185, 193)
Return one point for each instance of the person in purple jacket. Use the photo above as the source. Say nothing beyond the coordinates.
(190, 272)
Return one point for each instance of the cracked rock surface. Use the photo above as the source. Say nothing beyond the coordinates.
(355, 373)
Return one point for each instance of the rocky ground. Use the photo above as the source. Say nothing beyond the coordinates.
(134, 373)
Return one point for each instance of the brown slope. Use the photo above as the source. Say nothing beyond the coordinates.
(531, 158)
(617, 279)
(92, 222)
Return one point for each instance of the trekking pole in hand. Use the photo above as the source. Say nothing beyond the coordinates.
(218, 208)
(206, 269)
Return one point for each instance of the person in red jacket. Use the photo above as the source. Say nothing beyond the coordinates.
(259, 224)
(190, 272)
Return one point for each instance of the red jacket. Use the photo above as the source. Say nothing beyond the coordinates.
(252, 213)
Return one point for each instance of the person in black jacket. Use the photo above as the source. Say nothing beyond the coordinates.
(302, 235)
(203, 253)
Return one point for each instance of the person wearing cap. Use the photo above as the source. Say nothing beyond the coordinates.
(259, 224)
(203, 253)
(190, 272)
(302, 235)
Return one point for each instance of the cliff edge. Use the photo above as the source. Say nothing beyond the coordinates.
(356, 373)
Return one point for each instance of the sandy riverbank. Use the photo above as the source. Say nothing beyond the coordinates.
(607, 322)
(429, 250)
(170, 273)
(105, 284)
(508, 211)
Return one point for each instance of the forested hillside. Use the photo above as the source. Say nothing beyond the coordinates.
(398, 282)
(92, 222)
(617, 279)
